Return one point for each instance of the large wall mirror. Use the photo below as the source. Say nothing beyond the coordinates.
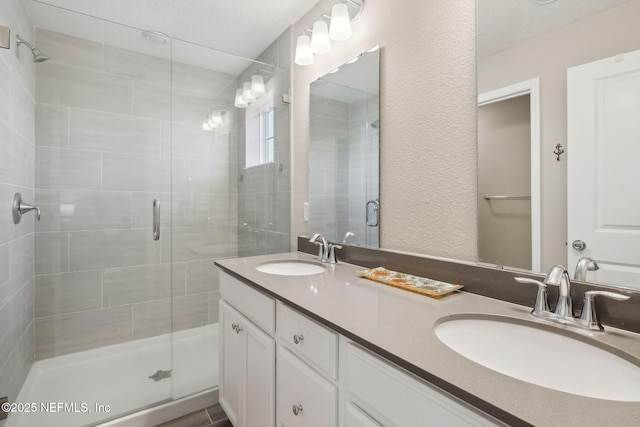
(558, 132)
(344, 195)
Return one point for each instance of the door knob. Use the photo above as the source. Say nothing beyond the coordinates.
(579, 245)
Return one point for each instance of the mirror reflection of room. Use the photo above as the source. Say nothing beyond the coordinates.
(582, 54)
(344, 201)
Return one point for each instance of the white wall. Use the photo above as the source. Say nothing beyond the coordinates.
(548, 57)
(427, 115)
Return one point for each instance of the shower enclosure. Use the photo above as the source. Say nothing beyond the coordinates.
(142, 179)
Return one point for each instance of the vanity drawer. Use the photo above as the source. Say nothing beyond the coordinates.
(253, 304)
(303, 397)
(394, 397)
(314, 343)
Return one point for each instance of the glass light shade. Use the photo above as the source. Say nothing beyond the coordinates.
(304, 54)
(320, 42)
(206, 126)
(215, 119)
(246, 93)
(240, 101)
(257, 86)
(340, 29)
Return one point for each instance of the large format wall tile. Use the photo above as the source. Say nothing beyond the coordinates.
(16, 317)
(52, 126)
(52, 252)
(67, 169)
(137, 173)
(92, 130)
(16, 158)
(69, 333)
(68, 293)
(190, 244)
(76, 87)
(151, 100)
(69, 50)
(66, 210)
(130, 285)
(137, 65)
(91, 250)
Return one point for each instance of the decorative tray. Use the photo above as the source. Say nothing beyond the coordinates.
(421, 285)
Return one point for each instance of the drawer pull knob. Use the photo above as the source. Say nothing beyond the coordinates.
(297, 338)
(297, 409)
(236, 328)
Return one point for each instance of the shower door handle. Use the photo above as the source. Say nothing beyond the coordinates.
(376, 213)
(156, 219)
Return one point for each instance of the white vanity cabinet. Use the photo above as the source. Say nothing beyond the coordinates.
(247, 355)
(307, 394)
(379, 393)
(281, 368)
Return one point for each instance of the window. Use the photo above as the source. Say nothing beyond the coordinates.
(260, 132)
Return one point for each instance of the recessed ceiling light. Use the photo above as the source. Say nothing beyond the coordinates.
(155, 36)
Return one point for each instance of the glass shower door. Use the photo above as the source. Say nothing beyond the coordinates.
(103, 285)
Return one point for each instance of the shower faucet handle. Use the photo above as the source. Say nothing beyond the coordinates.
(20, 208)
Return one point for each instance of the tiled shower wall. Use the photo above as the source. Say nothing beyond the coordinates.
(343, 164)
(264, 192)
(109, 141)
(328, 167)
(16, 175)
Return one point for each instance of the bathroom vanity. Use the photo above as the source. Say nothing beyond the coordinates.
(334, 349)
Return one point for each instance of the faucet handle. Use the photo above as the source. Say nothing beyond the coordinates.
(542, 300)
(332, 253)
(589, 315)
(321, 243)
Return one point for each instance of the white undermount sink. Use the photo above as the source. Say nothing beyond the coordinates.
(291, 268)
(535, 354)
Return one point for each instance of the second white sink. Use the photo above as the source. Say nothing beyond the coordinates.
(291, 268)
(525, 351)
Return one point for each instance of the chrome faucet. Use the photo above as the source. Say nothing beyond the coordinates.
(323, 250)
(584, 264)
(559, 276)
(327, 251)
(563, 312)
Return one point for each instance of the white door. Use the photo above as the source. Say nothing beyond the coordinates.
(603, 174)
(260, 383)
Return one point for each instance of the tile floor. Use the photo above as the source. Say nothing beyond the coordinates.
(212, 416)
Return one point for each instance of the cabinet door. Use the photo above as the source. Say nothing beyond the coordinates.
(260, 378)
(231, 363)
(357, 418)
(305, 398)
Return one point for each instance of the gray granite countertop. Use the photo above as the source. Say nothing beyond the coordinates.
(399, 325)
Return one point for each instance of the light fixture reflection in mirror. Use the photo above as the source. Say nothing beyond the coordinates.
(344, 153)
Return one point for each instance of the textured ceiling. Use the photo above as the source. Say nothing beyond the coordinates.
(240, 27)
(506, 23)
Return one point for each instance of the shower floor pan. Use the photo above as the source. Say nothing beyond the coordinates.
(76, 388)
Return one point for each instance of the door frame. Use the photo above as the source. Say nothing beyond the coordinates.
(532, 88)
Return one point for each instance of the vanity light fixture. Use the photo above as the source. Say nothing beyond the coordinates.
(304, 53)
(338, 29)
(247, 94)
(257, 86)
(240, 102)
(213, 120)
(320, 41)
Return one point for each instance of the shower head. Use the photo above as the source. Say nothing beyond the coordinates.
(375, 124)
(38, 56)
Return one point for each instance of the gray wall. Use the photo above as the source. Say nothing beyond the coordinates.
(16, 175)
(108, 141)
(264, 191)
